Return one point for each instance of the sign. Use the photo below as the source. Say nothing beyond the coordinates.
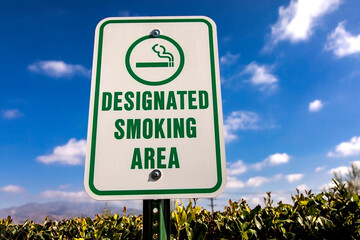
(155, 121)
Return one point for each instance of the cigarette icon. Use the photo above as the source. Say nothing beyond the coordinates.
(161, 52)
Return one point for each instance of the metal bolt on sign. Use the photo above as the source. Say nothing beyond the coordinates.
(155, 175)
(155, 33)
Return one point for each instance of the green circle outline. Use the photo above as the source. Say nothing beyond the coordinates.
(143, 81)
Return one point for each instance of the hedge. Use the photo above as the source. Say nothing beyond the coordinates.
(333, 214)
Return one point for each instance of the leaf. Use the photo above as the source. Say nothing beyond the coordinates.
(177, 218)
(183, 218)
(299, 219)
(257, 223)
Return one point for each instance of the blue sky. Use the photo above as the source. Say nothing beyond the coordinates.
(290, 87)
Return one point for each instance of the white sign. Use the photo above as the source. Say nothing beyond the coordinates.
(155, 120)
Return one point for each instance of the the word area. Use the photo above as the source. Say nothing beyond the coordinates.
(151, 158)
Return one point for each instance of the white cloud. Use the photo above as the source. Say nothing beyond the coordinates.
(302, 187)
(343, 170)
(328, 186)
(72, 153)
(237, 168)
(229, 59)
(11, 114)
(261, 76)
(278, 158)
(58, 69)
(233, 182)
(294, 177)
(239, 120)
(339, 170)
(272, 160)
(319, 169)
(254, 200)
(12, 189)
(65, 186)
(343, 43)
(257, 198)
(316, 105)
(346, 149)
(79, 196)
(257, 181)
(297, 20)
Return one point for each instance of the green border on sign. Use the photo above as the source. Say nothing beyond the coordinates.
(96, 107)
(144, 81)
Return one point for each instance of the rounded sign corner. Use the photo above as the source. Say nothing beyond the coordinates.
(90, 192)
(103, 22)
(222, 187)
(208, 20)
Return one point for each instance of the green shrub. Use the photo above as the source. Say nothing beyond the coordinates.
(333, 214)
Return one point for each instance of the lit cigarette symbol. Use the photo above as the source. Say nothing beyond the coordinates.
(161, 52)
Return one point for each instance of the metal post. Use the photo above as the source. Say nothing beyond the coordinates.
(212, 205)
(156, 219)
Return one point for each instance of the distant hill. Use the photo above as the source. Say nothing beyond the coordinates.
(37, 212)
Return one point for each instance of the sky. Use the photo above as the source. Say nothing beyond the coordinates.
(290, 83)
